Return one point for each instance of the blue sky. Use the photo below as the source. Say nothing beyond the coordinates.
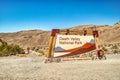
(17, 15)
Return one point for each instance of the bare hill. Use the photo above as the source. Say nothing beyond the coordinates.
(30, 38)
(107, 34)
(39, 38)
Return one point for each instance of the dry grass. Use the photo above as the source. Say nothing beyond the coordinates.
(33, 68)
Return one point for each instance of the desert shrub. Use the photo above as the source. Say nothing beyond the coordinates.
(37, 50)
(114, 47)
(104, 49)
(42, 52)
(33, 48)
(109, 45)
(115, 51)
(28, 50)
(7, 50)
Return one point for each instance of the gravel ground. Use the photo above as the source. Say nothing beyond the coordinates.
(33, 68)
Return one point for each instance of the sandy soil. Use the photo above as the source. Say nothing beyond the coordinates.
(33, 68)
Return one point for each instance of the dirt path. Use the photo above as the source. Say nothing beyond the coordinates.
(33, 68)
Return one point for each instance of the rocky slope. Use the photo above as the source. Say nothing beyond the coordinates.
(31, 38)
(39, 38)
(107, 34)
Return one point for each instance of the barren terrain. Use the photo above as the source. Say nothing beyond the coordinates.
(34, 68)
(40, 38)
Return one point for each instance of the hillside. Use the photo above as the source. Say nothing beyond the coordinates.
(107, 34)
(40, 39)
(31, 38)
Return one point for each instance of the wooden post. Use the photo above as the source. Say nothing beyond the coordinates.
(96, 37)
(67, 31)
(51, 42)
(50, 46)
(85, 32)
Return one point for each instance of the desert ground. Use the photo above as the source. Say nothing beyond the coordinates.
(34, 68)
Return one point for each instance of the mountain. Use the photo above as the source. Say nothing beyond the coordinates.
(30, 38)
(107, 34)
(111, 34)
(92, 41)
(58, 48)
(40, 39)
